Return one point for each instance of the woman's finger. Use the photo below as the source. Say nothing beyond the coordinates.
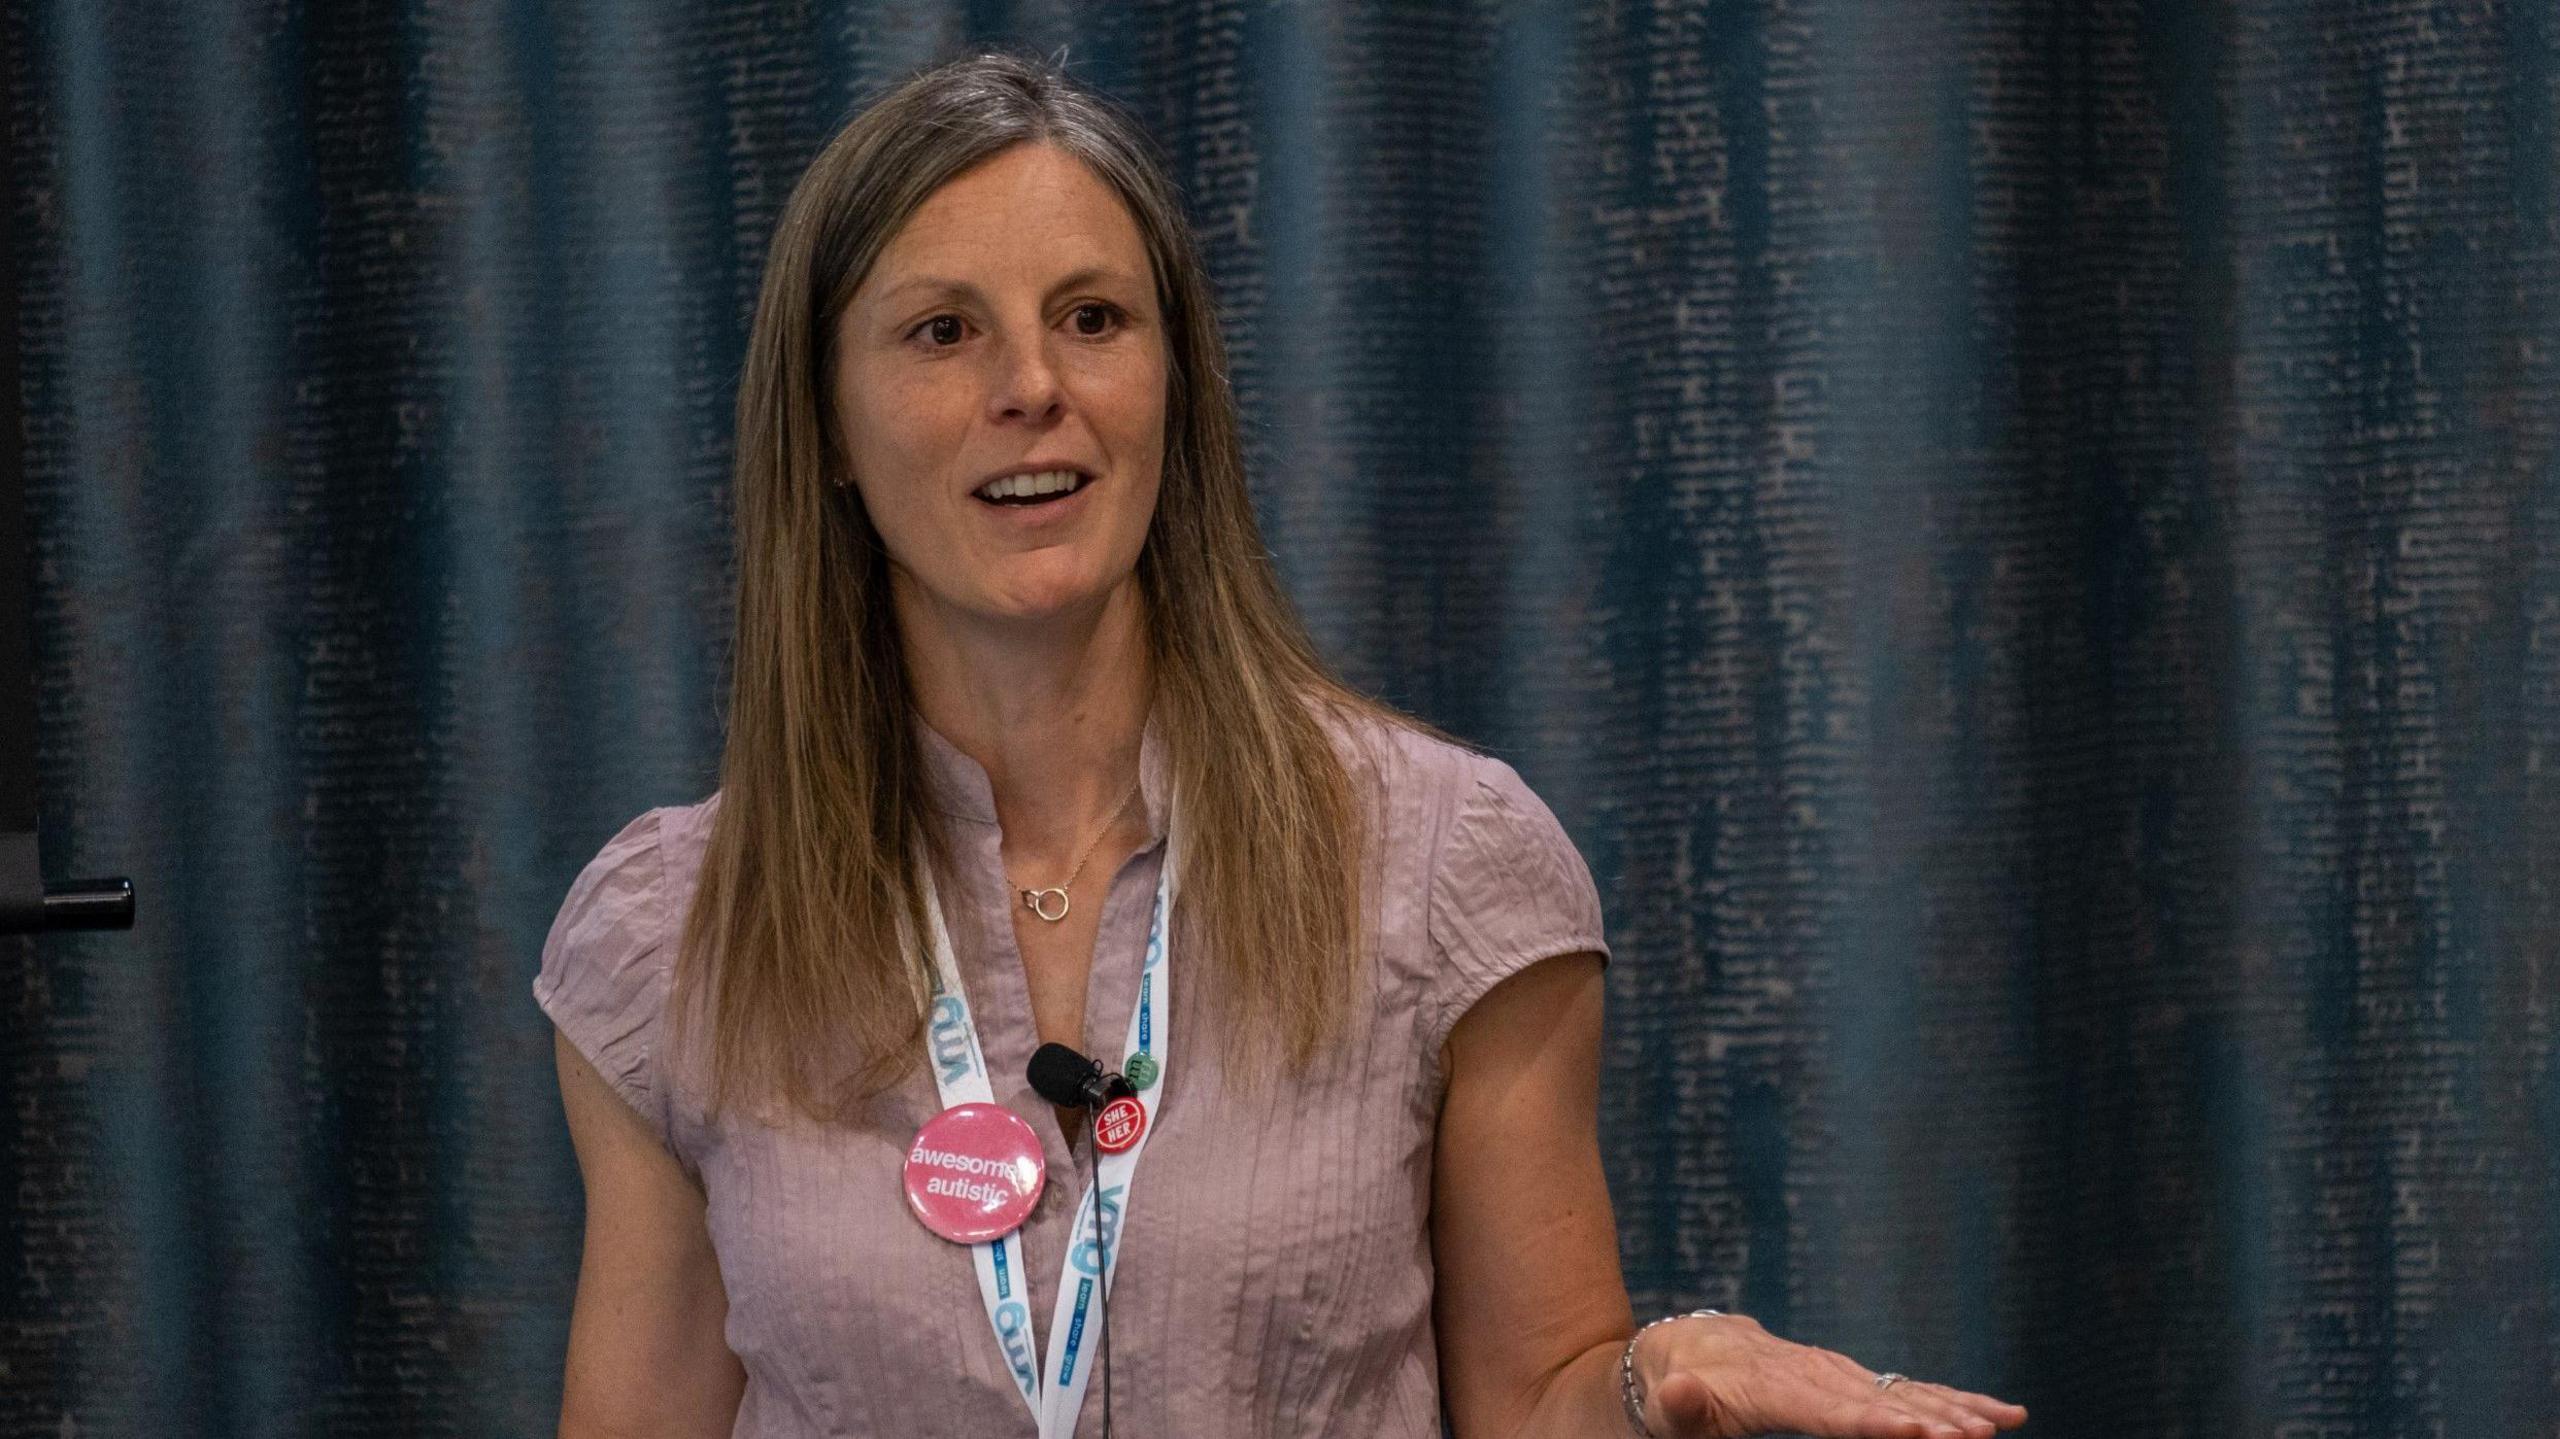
(1998, 1411)
(1836, 1407)
(1857, 1416)
(1946, 1417)
(2002, 1414)
(1979, 1415)
(1929, 1403)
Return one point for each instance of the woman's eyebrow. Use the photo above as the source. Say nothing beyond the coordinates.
(967, 291)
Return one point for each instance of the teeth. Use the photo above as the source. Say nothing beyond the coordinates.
(1048, 482)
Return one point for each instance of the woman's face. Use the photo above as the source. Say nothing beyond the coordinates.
(1010, 327)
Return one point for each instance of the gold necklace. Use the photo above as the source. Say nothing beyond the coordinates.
(1037, 900)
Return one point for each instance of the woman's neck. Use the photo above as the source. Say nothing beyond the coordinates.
(1053, 712)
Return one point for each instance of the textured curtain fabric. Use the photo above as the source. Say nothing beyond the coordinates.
(2022, 541)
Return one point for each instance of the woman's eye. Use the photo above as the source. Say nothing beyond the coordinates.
(1105, 314)
(940, 335)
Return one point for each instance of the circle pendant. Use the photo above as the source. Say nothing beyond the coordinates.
(1038, 901)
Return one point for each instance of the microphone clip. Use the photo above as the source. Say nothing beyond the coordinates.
(1067, 1078)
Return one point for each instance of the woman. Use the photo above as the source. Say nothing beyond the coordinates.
(1024, 740)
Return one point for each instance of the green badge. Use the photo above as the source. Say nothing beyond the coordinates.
(1140, 1070)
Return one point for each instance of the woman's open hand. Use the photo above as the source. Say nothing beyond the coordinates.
(1724, 1376)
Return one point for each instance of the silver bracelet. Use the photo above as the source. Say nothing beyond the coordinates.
(1627, 1368)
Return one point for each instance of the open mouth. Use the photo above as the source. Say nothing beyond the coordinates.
(1031, 491)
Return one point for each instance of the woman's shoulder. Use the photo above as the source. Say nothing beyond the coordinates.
(653, 852)
(684, 831)
(1424, 777)
(1498, 883)
(607, 961)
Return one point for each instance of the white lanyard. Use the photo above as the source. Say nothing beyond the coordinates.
(1054, 1392)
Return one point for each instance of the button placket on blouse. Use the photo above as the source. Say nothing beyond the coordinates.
(1008, 1032)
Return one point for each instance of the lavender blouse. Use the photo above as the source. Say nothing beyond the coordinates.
(1276, 1271)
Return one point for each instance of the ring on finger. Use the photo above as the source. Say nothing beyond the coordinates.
(1887, 1381)
(1930, 1401)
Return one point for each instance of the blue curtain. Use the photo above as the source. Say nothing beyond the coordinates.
(2022, 540)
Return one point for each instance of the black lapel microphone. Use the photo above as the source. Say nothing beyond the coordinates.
(1063, 1076)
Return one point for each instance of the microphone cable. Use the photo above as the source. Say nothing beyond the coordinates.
(1068, 1079)
(1102, 1252)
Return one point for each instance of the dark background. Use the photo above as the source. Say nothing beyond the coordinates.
(2022, 540)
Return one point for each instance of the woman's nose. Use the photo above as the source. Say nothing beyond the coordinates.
(1028, 387)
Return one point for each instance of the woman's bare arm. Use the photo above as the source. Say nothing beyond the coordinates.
(1531, 1309)
(646, 1356)
(1530, 1305)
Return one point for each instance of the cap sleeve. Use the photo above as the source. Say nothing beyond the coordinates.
(604, 967)
(1509, 890)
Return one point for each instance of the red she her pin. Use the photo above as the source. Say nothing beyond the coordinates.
(1119, 1125)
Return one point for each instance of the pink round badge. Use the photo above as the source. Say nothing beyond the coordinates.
(1119, 1125)
(973, 1173)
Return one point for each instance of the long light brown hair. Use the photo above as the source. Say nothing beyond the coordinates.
(797, 969)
